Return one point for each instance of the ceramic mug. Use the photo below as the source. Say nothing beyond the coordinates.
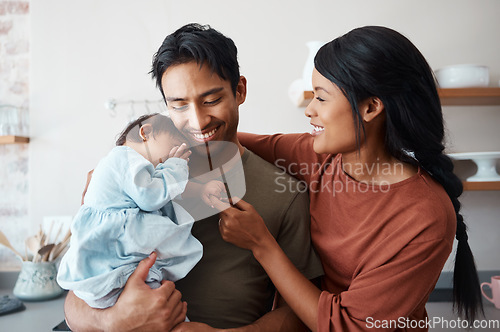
(495, 291)
(37, 281)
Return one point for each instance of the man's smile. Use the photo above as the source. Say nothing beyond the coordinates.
(204, 135)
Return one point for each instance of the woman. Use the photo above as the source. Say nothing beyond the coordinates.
(384, 207)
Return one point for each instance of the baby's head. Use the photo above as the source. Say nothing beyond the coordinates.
(155, 130)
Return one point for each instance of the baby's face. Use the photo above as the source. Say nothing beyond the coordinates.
(161, 145)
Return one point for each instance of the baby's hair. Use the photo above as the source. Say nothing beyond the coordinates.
(159, 124)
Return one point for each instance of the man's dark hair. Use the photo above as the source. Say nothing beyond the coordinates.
(200, 43)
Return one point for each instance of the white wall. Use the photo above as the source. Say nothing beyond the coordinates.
(85, 51)
(14, 90)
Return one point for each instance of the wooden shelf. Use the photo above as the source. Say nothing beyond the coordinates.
(11, 139)
(305, 99)
(449, 97)
(475, 186)
(469, 96)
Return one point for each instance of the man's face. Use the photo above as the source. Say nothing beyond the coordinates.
(201, 104)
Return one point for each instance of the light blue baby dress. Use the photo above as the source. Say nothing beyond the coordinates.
(128, 213)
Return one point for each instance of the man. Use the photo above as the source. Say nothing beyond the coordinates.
(197, 72)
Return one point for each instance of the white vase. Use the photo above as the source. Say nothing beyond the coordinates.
(37, 281)
(313, 47)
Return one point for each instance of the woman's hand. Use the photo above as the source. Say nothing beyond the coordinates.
(242, 225)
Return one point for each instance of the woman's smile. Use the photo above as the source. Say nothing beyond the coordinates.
(317, 130)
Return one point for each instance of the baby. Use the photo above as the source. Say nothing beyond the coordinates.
(128, 213)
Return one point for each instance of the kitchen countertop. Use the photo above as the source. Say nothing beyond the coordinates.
(39, 316)
(42, 316)
(443, 311)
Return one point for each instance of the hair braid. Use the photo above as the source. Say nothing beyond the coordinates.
(466, 289)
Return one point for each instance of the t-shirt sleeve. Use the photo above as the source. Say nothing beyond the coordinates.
(151, 188)
(295, 237)
(292, 153)
(386, 291)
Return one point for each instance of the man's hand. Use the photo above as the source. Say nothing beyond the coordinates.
(141, 308)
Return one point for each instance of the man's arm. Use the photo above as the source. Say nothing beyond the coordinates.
(139, 308)
(80, 317)
(281, 319)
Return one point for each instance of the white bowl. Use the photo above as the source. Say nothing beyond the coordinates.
(486, 165)
(463, 76)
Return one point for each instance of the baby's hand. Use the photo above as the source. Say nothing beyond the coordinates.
(181, 151)
(215, 189)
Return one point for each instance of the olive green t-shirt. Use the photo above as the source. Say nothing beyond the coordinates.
(228, 288)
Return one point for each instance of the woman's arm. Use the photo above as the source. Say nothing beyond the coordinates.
(138, 308)
(292, 153)
(390, 285)
(301, 294)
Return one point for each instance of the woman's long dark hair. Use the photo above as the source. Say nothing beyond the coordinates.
(377, 61)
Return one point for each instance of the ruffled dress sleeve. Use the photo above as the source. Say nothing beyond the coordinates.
(151, 188)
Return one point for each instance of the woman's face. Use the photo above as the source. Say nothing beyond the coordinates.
(331, 118)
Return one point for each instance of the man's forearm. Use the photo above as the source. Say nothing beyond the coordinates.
(80, 317)
(281, 319)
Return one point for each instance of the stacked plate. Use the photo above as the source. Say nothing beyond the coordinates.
(486, 165)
